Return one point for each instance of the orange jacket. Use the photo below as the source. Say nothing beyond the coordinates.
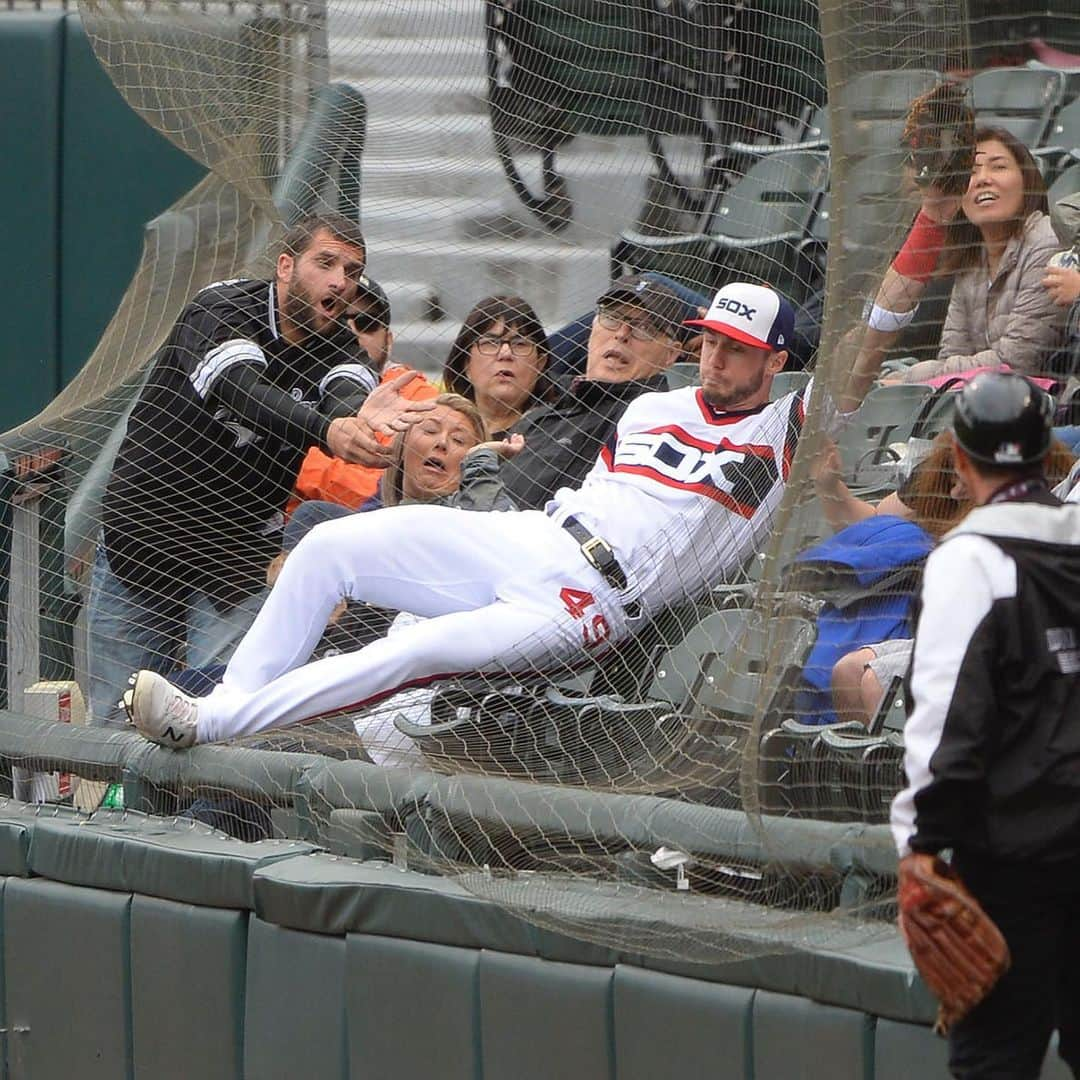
(324, 477)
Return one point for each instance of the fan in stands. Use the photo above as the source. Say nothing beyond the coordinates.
(683, 490)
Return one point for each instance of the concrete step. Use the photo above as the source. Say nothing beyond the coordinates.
(422, 97)
(392, 220)
(358, 57)
(559, 280)
(407, 18)
(410, 301)
(424, 138)
(425, 345)
(607, 190)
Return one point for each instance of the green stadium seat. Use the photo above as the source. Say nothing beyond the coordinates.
(1062, 143)
(869, 112)
(761, 222)
(756, 231)
(1067, 183)
(687, 258)
(888, 415)
(1020, 100)
(685, 374)
(787, 382)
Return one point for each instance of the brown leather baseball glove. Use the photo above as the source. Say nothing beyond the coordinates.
(939, 130)
(958, 950)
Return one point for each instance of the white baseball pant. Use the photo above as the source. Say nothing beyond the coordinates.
(499, 592)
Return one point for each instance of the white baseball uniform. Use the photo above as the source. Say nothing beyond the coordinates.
(682, 493)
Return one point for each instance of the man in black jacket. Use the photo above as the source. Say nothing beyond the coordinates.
(252, 375)
(992, 743)
(636, 336)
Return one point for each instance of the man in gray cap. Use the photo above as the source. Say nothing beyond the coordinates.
(636, 335)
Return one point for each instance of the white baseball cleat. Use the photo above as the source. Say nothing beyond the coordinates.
(160, 712)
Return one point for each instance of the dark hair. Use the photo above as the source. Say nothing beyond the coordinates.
(963, 241)
(515, 312)
(300, 235)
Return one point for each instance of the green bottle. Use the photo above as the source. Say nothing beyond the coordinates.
(114, 797)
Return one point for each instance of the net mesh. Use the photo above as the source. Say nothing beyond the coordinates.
(709, 779)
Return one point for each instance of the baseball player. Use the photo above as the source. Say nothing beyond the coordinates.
(992, 743)
(252, 374)
(682, 492)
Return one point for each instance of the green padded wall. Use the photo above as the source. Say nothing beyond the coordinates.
(412, 1009)
(294, 1005)
(67, 977)
(117, 174)
(666, 1025)
(187, 990)
(31, 57)
(905, 1050)
(541, 1019)
(799, 1039)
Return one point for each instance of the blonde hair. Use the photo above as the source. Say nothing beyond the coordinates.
(391, 487)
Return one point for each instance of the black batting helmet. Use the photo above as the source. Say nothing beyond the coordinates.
(1002, 419)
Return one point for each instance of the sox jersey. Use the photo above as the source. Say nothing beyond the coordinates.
(683, 492)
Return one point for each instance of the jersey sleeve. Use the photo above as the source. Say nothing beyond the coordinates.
(216, 335)
(951, 696)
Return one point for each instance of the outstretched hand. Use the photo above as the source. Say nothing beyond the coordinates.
(352, 440)
(386, 411)
(505, 448)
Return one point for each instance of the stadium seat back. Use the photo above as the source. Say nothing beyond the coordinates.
(870, 110)
(1068, 183)
(1020, 100)
(688, 258)
(787, 382)
(873, 210)
(1064, 134)
(718, 669)
(685, 374)
(775, 199)
(888, 415)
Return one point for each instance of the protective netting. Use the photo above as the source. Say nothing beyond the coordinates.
(701, 764)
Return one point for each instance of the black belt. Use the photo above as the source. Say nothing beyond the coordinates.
(601, 558)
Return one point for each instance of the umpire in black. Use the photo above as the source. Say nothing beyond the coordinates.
(992, 742)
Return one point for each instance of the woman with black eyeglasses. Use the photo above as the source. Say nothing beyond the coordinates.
(498, 359)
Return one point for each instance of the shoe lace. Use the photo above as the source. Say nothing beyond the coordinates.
(180, 709)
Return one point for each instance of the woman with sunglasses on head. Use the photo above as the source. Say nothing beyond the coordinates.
(498, 359)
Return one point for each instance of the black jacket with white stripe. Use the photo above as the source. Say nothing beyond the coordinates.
(215, 440)
(992, 741)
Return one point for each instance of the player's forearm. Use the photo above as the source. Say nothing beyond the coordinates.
(268, 410)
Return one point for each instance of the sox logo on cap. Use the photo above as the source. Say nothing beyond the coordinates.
(753, 314)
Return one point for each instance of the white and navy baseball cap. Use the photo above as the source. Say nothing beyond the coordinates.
(752, 314)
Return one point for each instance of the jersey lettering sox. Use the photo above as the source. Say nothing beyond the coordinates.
(685, 493)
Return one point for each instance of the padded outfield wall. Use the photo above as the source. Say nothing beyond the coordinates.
(139, 945)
